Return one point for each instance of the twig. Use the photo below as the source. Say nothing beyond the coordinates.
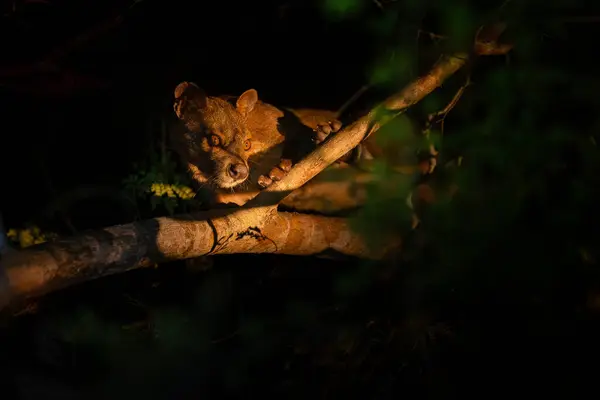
(378, 4)
(440, 116)
(352, 99)
(431, 35)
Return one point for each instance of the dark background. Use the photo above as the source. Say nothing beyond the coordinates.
(89, 131)
(81, 104)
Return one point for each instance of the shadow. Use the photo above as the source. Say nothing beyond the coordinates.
(298, 137)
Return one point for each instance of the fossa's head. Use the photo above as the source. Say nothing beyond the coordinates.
(216, 143)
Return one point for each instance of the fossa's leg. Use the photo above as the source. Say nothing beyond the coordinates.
(321, 132)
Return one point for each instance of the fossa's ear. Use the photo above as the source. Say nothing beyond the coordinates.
(189, 99)
(246, 102)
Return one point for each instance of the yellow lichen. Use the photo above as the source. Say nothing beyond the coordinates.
(28, 237)
(180, 191)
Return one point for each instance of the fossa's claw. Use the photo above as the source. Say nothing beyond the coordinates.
(323, 130)
(264, 181)
(285, 164)
(277, 173)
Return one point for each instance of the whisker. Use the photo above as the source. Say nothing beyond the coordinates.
(212, 181)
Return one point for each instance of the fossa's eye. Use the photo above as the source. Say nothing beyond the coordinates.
(214, 140)
(247, 144)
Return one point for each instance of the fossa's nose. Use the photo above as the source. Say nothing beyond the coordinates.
(238, 171)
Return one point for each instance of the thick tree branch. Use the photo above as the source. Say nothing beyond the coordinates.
(52, 266)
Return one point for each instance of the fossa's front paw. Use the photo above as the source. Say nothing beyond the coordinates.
(324, 129)
(276, 173)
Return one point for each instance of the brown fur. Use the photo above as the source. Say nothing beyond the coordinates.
(267, 139)
(216, 136)
(251, 132)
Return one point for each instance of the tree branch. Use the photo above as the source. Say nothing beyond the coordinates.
(486, 43)
(52, 266)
